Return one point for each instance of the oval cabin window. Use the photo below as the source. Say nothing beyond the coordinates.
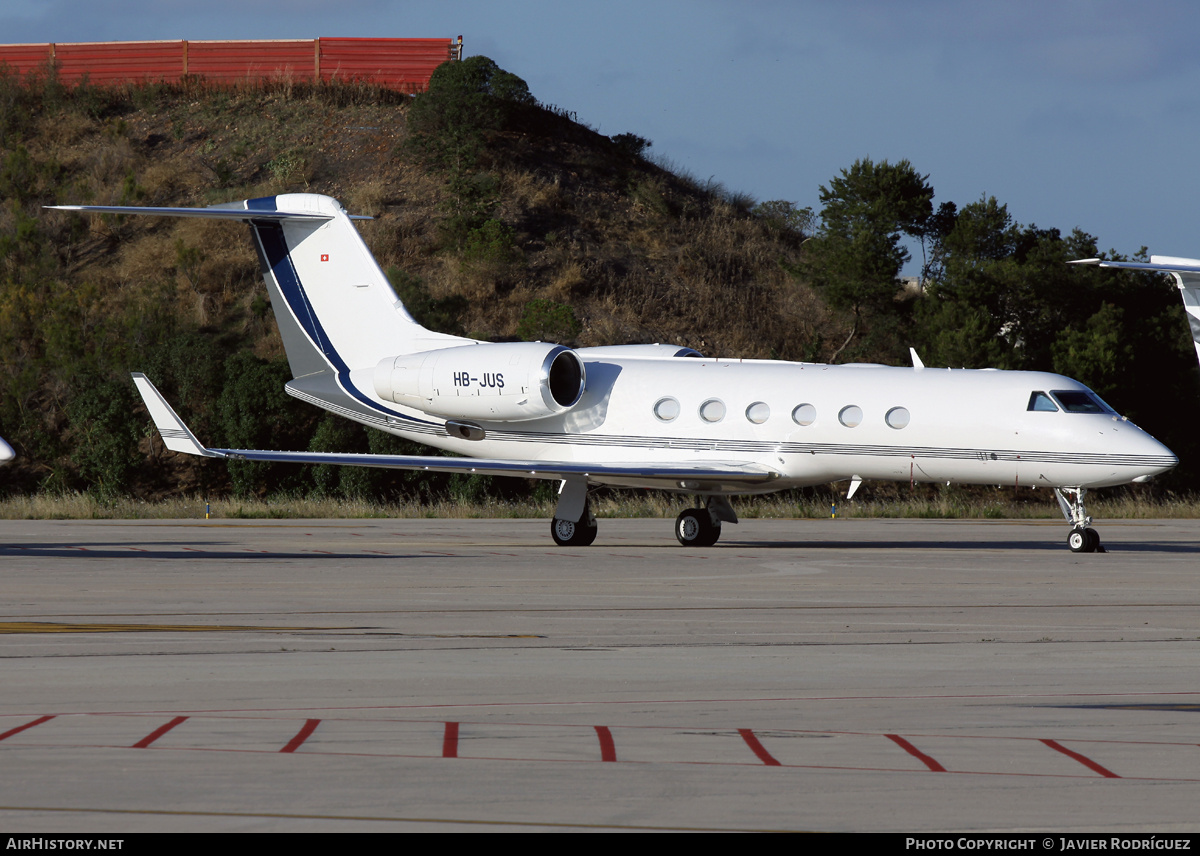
(897, 417)
(712, 410)
(758, 412)
(850, 416)
(666, 409)
(804, 414)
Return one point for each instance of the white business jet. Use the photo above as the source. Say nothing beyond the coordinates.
(651, 416)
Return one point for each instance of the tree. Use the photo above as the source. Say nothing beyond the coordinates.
(857, 256)
(465, 102)
(451, 123)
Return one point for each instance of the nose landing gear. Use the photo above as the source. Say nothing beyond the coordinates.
(1083, 539)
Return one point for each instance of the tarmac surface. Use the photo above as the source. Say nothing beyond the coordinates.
(386, 675)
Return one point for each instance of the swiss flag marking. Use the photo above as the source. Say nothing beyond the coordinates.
(324, 257)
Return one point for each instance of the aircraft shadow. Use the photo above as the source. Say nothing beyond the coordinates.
(974, 546)
(81, 551)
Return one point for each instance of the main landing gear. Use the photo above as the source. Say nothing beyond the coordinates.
(574, 526)
(694, 527)
(1083, 538)
(701, 527)
(571, 533)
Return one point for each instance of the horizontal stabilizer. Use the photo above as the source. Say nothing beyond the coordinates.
(217, 212)
(1166, 264)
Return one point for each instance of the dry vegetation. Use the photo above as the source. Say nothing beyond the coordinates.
(949, 505)
(640, 253)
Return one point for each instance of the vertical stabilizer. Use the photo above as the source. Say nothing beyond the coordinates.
(335, 308)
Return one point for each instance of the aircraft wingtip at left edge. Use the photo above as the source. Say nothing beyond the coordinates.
(1085, 262)
(175, 435)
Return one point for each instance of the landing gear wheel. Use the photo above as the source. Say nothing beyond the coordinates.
(1094, 539)
(696, 528)
(1083, 540)
(568, 533)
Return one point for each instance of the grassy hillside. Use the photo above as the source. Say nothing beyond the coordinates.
(537, 226)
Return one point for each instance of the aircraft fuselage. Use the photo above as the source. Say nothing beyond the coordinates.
(817, 423)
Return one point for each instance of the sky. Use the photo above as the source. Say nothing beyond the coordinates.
(1073, 113)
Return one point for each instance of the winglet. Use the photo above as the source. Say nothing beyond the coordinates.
(917, 364)
(175, 435)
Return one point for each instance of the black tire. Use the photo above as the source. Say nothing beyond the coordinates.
(1081, 542)
(569, 533)
(694, 527)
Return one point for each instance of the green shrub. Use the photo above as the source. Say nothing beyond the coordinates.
(547, 321)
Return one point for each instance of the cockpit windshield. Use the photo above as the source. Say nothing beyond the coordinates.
(1069, 400)
(1081, 401)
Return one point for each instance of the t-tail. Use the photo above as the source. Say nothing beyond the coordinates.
(335, 308)
(1187, 276)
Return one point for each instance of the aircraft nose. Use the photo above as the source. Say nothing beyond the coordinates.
(6, 452)
(1154, 458)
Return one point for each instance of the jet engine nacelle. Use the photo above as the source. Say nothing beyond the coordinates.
(638, 351)
(503, 381)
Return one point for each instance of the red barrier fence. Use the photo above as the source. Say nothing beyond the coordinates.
(403, 64)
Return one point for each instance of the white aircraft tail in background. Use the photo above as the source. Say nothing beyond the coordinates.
(654, 416)
(1187, 276)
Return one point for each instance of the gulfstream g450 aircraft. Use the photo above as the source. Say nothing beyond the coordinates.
(651, 416)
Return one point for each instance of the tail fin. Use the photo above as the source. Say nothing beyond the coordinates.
(1187, 277)
(335, 308)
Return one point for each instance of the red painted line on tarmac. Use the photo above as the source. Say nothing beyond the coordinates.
(450, 741)
(608, 749)
(194, 550)
(916, 753)
(1082, 759)
(21, 728)
(758, 749)
(138, 549)
(310, 725)
(158, 732)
